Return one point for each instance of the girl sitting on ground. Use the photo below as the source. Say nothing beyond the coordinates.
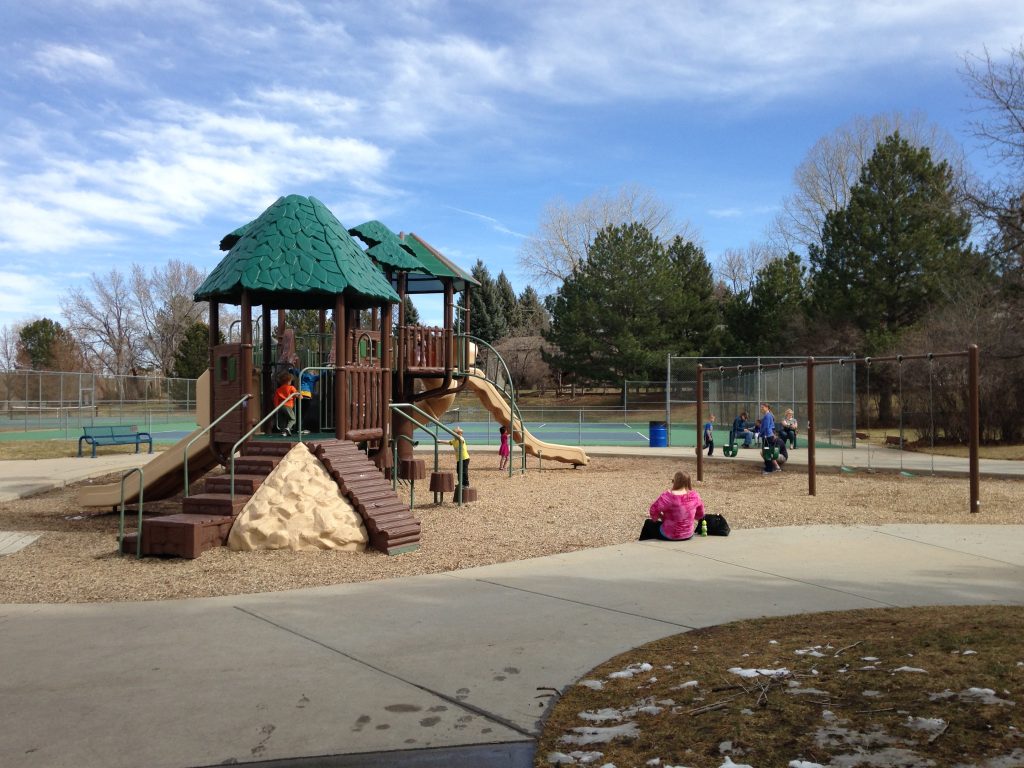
(674, 514)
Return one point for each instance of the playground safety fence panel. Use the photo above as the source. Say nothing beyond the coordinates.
(736, 384)
(32, 400)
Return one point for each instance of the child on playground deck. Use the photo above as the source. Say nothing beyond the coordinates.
(461, 452)
(675, 514)
(285, 390)
(503, 449)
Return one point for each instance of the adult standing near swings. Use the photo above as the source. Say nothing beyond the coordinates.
(767, 434)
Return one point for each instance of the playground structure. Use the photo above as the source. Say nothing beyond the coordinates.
(297, 255)
(812, 369)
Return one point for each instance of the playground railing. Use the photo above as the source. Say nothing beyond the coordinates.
(506, 387)
(206, 431)
(120, 524)
(400, 409)
(234, 449)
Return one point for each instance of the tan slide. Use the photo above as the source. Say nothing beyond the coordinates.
(495, 402)
(164, 476)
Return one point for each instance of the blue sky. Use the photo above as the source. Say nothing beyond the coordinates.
(135, 131)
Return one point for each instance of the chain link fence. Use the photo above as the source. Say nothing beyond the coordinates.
(51, 400)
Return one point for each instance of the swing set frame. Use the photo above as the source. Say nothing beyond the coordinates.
(973, 371)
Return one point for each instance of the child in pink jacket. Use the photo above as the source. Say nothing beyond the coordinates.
(679, 509)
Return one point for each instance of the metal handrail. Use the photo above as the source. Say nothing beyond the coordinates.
(250, 433)
(394, 469)
(509, 392)
(205, 430)
(397, 408)
(120, 525)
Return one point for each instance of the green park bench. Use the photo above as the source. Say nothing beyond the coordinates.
(115, 434)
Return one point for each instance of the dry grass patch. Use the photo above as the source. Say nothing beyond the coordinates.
(885, 688)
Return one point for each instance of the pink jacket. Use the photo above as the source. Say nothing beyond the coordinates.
(679, 513)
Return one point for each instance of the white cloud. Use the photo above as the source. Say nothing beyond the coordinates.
(725, 213)
(64, 63)
(174, 168)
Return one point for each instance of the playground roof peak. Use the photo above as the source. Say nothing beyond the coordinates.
(295, 255)
(386, 249)
(438, 266)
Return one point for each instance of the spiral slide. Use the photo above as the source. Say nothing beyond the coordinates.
(494, 401)
(163, 476)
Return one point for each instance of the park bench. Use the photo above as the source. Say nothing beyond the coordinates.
(115, 434)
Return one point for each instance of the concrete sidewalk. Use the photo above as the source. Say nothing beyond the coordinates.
(27, 477)
(454, 667)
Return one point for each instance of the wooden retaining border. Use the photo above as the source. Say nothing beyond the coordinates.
(388, 520)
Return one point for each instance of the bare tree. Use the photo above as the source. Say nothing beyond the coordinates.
(999, 89)
(165, 308)
(9, 335)
(525, 364)
(566, 230)
(737, 267)
(824, 178)
(106, 324)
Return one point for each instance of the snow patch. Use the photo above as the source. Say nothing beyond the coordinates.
(917, 670)
(630, 671)
(594, 685)
(780, 672)
(926, 724)
(600, 715)
(804, 764)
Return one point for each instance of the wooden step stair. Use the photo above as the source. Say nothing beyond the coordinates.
(389, 523)
(206, 518)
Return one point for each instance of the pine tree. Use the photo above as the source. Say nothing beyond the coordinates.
(192, 356)
(890, 253)
(632, 302)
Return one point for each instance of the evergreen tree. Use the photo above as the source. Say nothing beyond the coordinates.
(632, 302)
(506, 302)
(487, 321)
(192, 356)
(412, 315)
(890, 253)
(45, 345)
(767, 318)
(532, 314)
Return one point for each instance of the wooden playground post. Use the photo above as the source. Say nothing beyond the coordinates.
(811, 466)
(700, 418)
(973, 425)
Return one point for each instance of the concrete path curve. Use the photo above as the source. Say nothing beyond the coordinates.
(446, 669)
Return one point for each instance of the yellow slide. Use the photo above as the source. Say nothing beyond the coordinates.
(494, 402)
(163, 476)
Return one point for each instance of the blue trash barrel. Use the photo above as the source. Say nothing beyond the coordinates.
(658, 434)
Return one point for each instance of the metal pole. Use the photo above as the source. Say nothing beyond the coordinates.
(811, 466)
(668, 399)
(974, 425)
(700, 410)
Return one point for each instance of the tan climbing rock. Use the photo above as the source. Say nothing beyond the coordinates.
(298, 507)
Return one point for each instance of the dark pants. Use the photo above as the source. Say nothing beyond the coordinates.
(710, 445)
(465, 472)
(652, 530)
(789, 434)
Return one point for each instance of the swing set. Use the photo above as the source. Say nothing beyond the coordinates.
(810, 365)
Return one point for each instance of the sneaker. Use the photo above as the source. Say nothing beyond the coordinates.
(304, 432)
(286, 433)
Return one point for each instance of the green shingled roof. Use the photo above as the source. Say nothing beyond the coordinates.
(385, 247)
(296, 255)
(438, 267)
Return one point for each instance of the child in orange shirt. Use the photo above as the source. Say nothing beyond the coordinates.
(284, 391)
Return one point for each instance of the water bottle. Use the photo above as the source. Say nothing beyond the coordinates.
(703, 527)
